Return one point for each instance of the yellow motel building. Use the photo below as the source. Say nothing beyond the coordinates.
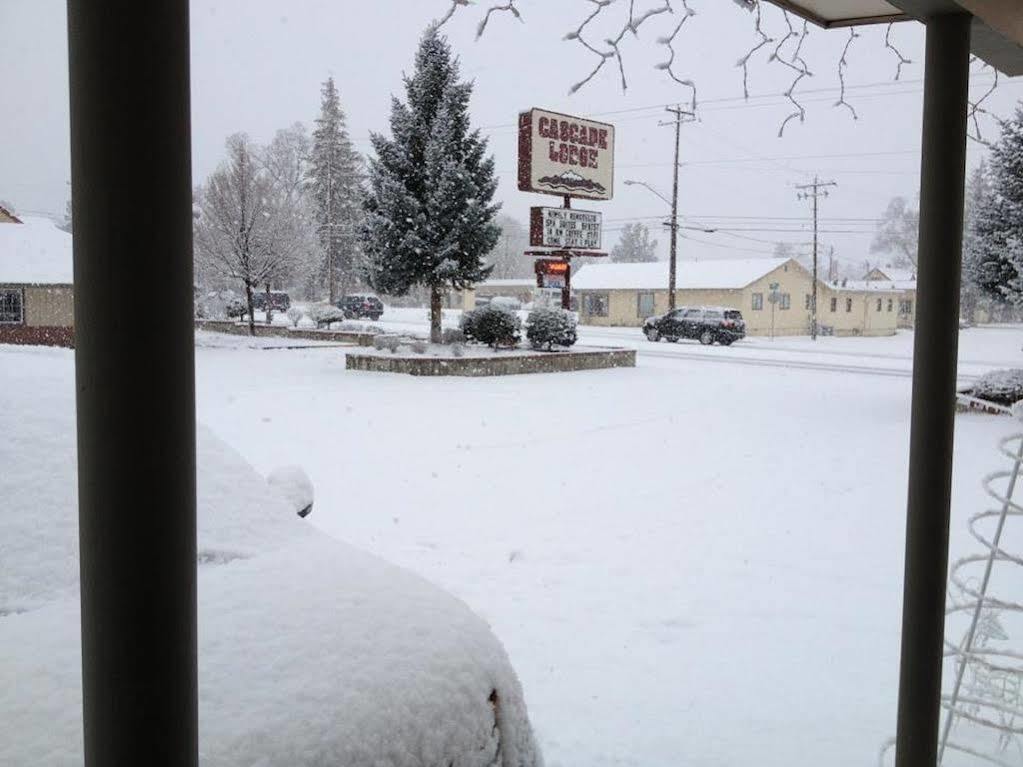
(624, 295)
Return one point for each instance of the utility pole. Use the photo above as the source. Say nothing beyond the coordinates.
(680, 115)
(814, 192)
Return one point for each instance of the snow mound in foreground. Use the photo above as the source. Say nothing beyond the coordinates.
(310, 651)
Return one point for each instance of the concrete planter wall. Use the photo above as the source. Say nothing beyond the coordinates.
(37, 335)
(280, 331)
(494, 365)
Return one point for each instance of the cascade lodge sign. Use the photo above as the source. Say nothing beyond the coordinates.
(566, 156)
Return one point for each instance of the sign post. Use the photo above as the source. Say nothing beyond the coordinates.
(570, 157)
(774, 297)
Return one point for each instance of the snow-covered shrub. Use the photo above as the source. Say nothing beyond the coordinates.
(549, 328)
(457, 350)
(324, 314)
(1003, 387)
(492, 325)
(419, 346)
(236, 308)
(452, 336)
(380, 342)
(295, 316)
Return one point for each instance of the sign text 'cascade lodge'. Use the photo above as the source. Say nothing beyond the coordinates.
(567, 156)
(564, 228)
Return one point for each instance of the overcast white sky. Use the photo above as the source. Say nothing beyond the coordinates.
(257, 66)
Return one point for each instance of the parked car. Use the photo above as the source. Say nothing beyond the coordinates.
(311, 652)
(360, 306)
(707, 324)
(279, 301)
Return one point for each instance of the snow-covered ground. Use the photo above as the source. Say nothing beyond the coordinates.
(689, 563)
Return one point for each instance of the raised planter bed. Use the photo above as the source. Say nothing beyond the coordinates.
(492, 364)
(282, 331)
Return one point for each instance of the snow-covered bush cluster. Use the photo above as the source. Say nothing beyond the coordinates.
(419, 346)
(547, 328)
(325, 314)
(452, 336)
(236, 308)
(493, 326)
(295, 316)
(387, 341)
(1003, 387)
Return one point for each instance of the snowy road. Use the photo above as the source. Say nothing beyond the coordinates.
(981, 349)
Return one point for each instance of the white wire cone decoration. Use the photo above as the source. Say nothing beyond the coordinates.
(983, 678)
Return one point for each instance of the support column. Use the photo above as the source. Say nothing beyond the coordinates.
(943, 171)
(134, 367)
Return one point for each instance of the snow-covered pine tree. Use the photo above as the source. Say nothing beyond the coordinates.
(430, 210)
(992, 243)
(976, 283)
(336, 173)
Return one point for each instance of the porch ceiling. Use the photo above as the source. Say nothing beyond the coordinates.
(997, 35)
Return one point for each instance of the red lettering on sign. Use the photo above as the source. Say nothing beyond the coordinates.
(573, 155)
(593, 158)
(542, 127)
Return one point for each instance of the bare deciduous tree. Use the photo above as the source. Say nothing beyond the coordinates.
(244, 229)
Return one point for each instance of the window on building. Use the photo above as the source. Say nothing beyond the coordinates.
(12, 306)
(834, 305)
(758, 302)
(905, 307)
(809, 301)
(785, 301)
(644, 305)
(595, 304)
(848, 304)
(891, 304)
(879, 304)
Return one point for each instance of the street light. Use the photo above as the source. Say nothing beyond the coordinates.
(674, 225)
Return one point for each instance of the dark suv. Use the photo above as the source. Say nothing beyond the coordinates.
(359, 306)
(279, 301)
(705, 323)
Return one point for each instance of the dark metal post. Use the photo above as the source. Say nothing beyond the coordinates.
(673, 256)
(943, 172)
(131, 190)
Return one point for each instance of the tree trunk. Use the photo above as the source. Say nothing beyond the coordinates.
(435, 314)
(269, 307)
(252, 316)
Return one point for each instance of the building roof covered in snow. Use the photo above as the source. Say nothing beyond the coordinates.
(867, 286)
(513, 282)
(35, 252)
(723, 274)
(898, 279)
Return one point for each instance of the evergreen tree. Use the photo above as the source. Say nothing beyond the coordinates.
(335, 173)
(992, 245)
(430, 215)
(634, 245)
(977, 283)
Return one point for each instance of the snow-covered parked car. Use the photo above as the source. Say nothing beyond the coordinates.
(311, 652)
